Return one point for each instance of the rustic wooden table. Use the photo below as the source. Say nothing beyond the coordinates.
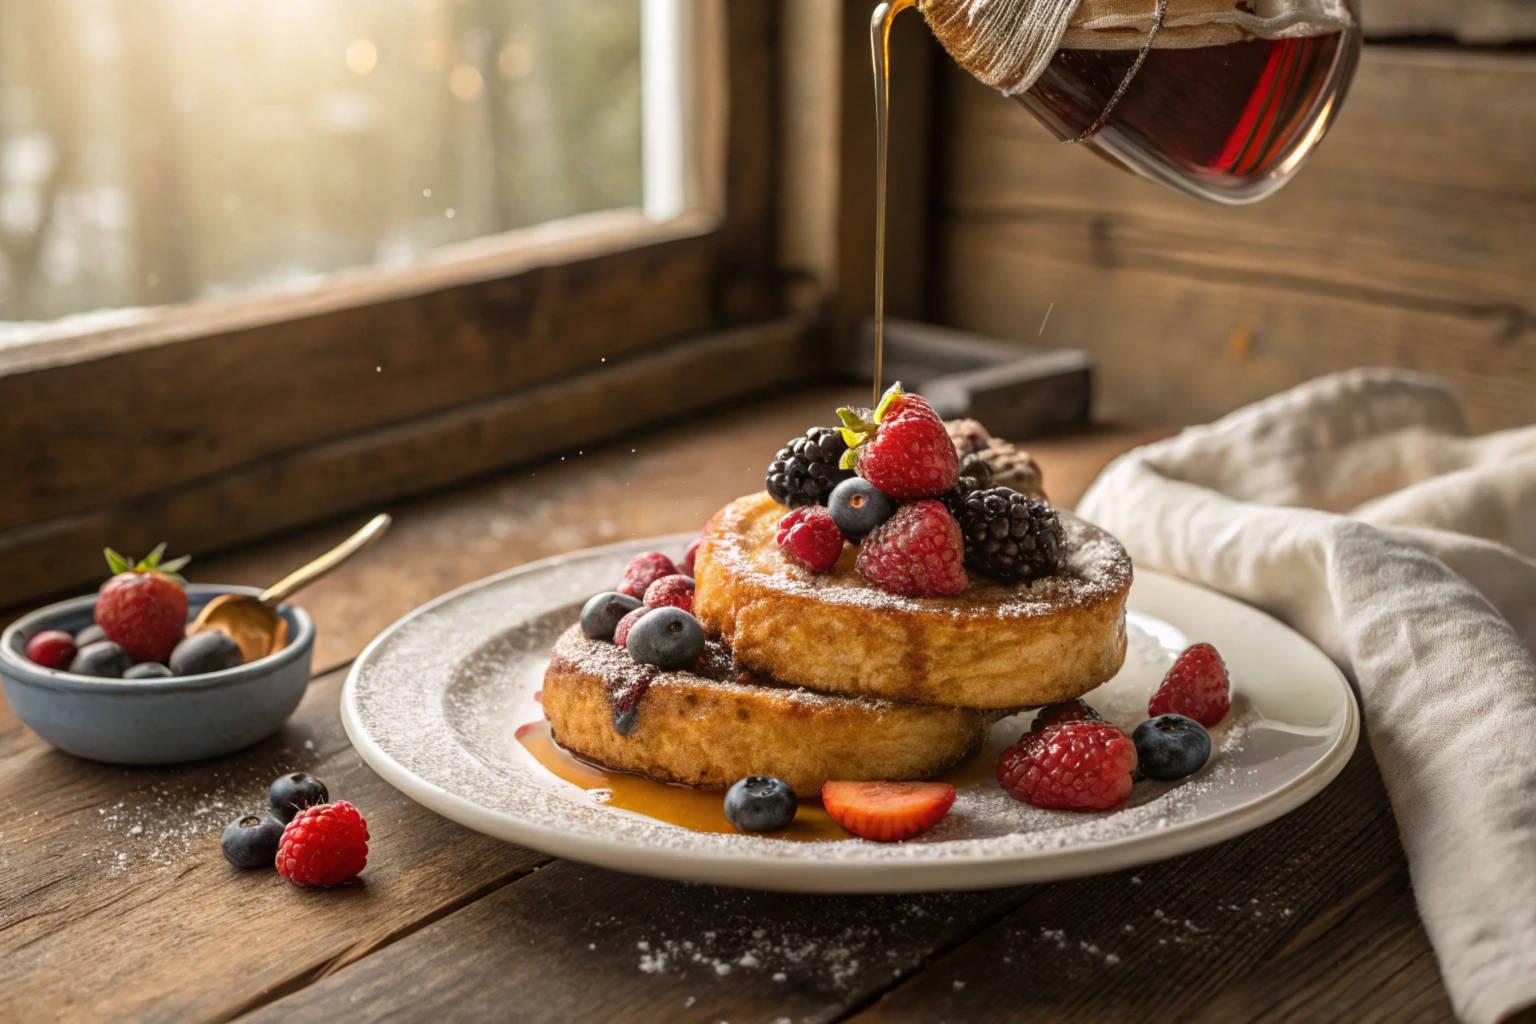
(116, 904)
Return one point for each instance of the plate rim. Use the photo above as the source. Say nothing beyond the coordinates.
(948, 873)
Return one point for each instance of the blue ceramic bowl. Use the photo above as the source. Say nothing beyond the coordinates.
(154, 721)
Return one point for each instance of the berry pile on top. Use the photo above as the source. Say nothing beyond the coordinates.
(140, 628)
(650, 613)
(924, 516)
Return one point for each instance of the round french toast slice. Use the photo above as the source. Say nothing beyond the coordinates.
(714, 725)
(994, 646)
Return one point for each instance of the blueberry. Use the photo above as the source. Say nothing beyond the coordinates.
(148, 670)
(603, 612)
(858, 506)
(103, 659)
(212, 651)
(761, 803)
(1170, 747)
(92, 634)
(668, 638)
(251, 841)
(626, 720)
(293, 792)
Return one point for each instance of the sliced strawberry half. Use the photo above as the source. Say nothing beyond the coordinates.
(887, 812)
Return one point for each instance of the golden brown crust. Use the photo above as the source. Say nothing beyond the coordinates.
(707, 732)
(994, 646)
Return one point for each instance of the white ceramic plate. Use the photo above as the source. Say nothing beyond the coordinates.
(433, 703)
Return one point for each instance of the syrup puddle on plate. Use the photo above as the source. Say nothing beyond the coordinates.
(700, 810)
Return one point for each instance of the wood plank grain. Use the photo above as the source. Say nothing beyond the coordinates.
(1470, 21)
(1406, 241)
(270, 495)
(1153, 944)
(577, 943)
(1380, 968)
(1171, 941)
(159, 417)
(116, 904)
(746, 277)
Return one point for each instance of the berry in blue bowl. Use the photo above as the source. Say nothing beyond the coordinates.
(159, 719)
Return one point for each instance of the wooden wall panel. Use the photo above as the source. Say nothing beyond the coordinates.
(1409, 240)
(1470, 21)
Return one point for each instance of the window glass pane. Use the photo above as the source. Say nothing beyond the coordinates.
(155, 151)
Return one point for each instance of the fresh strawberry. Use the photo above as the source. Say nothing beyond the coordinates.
(917, 552)
(1075, 766)
(887, 812)
(1070, 711)
(643, 570)
(143, 608)
(809, 538)
(1195, 687)
(905, 450)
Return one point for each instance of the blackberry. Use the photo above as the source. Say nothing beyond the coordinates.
(805, 470)
(975, 475)
(1011, 538)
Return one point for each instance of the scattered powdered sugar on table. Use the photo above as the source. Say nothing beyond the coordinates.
(162, 826)
(447, 717)
(836, 945)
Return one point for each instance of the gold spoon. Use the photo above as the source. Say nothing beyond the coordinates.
(253, 622)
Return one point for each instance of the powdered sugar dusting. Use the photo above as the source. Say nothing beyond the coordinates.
(441, 695)
(1095, 569)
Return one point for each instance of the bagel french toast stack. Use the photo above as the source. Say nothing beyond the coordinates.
(899, 587)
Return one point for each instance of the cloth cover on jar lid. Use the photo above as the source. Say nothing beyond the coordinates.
(1008, 43)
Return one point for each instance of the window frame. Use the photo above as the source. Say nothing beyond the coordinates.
(215, 423)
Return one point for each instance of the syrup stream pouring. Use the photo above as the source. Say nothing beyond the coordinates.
(253, 622)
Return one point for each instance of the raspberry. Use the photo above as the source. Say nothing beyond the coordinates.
(670, 592)
(1057, 714)
(806, 469)
(809, 538)
(643, 570)
(689, 557)
(52, 649)
(323, 845)
(1011, 538)
(621, 631)
(1076, 766)
(1195, 687)
(906, 452)
(143, 608)
(916, 552)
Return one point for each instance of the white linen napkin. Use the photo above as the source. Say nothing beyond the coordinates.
(1358, 509)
